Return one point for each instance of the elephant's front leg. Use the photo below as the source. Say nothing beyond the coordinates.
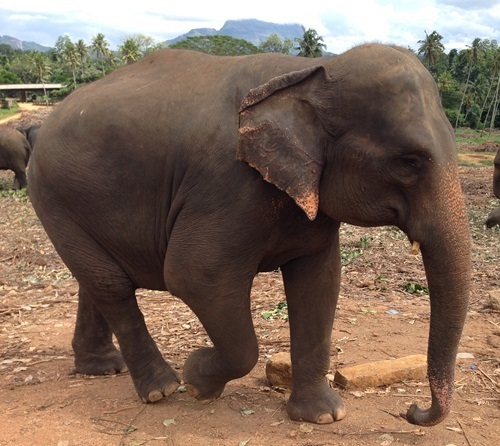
(228, 321)
(312, 287)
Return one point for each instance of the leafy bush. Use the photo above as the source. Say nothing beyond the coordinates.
(473, 116)
(451, 114)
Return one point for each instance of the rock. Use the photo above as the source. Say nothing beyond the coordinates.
(381, 373)
(279, 370)
(495, 299)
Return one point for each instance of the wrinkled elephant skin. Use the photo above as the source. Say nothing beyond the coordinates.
(14, 154)
(192, 173)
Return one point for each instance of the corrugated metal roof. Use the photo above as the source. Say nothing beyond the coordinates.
(29, 86)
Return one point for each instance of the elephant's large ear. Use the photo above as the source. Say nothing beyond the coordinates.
(281, 136)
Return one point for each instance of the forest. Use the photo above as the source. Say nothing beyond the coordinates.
(468, 80)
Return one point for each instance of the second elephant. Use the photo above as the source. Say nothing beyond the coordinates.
(494, 216)
(15, 152)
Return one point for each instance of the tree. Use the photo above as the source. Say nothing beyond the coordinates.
(130, 50)
(496, 68)
(431, 48)
(310, 45)
(41, 70)
(146, 44)
(445, 83)
(273, 44)
(219, 45)
(83, 53)
(474, 53)
(100, 47)
(8, 77)
(71, 57)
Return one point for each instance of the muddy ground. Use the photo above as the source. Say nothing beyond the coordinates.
(42, 402)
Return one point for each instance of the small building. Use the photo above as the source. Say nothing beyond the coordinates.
(24, 89)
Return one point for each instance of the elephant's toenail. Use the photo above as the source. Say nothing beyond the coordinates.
(169, 389)
(340, 414)
(325, 418)
(154, 396)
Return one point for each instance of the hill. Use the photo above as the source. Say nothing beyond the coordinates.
(22, 45)
(252, 30)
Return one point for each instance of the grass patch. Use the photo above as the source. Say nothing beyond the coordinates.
(469, 136)
(18, 195)
(7, 113)
(475, 159)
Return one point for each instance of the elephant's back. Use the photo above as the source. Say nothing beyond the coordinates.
(162, 101)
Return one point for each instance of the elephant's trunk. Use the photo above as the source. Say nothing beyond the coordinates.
(445, 246)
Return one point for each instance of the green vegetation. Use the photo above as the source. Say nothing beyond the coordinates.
(349, 253)
(415, 288)
(6, 191)
(6, 112)
(218, 45)
(311, 44)
(279, 312)
(468, 81)
(473, 137)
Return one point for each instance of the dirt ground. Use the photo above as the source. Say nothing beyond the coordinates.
(42, 402)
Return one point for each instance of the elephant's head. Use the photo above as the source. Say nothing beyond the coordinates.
(496, 175)
(362, 138)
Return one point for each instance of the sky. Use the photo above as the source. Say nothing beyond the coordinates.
(342, 24)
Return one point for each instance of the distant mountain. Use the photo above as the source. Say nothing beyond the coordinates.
(21, 45)
(252, 30)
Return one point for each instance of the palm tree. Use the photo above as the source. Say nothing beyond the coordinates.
(41, 70)
(431, 48)
(100, 47)
(445, 83)
(130, 50)
(70, 55)
(474, 53)
(83, 53)
(310, 44)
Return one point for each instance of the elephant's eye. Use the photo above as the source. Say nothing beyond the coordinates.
(406, 169)
(411, 161)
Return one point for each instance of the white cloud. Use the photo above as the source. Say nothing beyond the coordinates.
(342, 24)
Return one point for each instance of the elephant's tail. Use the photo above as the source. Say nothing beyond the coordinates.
(27, 150)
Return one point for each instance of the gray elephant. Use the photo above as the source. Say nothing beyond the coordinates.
(228, 166)
(15, 152)
(494, 216)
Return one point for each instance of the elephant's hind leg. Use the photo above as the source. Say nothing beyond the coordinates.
(20, 181)
(95, 352)
(108, 305)
(115, 303)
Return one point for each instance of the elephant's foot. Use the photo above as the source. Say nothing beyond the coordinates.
(201, 377)
(320, 405)
(108, 362)
(155, 381)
